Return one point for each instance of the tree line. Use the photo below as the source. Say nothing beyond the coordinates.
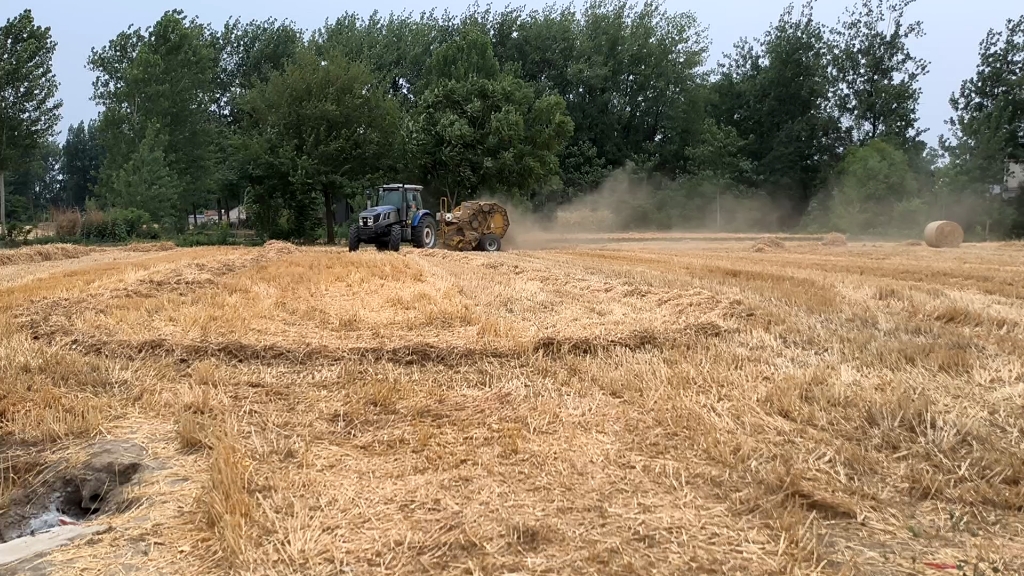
(815, 124)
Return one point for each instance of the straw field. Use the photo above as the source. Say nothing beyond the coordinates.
(649, 407)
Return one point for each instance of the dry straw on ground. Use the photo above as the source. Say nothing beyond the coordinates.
(279, 248)
(768, 244)
(44, 253)
(943, 234)
(632, 409)
(834, 239)
(150, 247)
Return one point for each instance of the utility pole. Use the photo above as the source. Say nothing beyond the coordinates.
(3, 209)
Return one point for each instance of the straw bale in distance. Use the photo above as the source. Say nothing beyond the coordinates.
(768, 244)
(279, 248)
(150, 247)
(834, 239)
(943, 234)
(45, 253)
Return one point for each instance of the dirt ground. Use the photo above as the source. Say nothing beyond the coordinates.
(655, 406)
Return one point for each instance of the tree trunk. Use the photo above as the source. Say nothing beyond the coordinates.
(3, 209)
(220, 213)
(329, 215)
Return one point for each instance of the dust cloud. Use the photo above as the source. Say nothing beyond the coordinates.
(628, 203)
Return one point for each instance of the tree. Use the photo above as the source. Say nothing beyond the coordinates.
(167, 77)
(630, 75)
(29, 108)
(36, 184)
(82, 158)
(877, 191)
(774, 94)
(319, 130)
(252, 53)
(876, 75)
(145, 182)
(987, 129)
(483, 129)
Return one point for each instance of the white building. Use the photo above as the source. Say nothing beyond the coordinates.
(1014, 178)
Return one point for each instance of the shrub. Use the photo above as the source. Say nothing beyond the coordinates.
(99, 227)
(67, 222)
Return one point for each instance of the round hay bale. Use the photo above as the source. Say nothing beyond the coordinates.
(943, 234)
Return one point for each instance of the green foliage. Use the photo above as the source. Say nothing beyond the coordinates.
(36, 184)
(774, 94)
(99, 227)
(876, 192)
(316, 131)
(876, 75)
(166, 79)
(541, 107)
(81, 160)
(29, 108)
(986, 131)
(208, 234)
(145, 183)
(483, 130)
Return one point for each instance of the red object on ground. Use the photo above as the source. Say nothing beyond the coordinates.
(940, 565)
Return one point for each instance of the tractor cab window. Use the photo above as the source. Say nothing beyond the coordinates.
(389, 198)
(415, 202)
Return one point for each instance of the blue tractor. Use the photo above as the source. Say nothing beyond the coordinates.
(394, 215)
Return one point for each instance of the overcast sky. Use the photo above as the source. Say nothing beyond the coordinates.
(954, 28)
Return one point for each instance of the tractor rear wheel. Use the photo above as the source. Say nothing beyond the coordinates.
(395, 240)
(424, 235)
(489, 243)
(353, 238)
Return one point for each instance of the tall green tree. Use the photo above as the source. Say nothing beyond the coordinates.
(987, 129)
(631, 76)
(29, 107)
(876, 75)
(252, 53)
(145, 182)
(36, 184)
(167, 78)
(320, 130)
(484, 130)
(774, 94)
(81, 160)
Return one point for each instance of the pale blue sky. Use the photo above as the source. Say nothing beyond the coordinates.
(954, 29)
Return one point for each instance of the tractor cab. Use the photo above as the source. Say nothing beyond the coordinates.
(406, 199)
(394, 214)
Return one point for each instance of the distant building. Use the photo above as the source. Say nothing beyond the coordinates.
(1014, 179)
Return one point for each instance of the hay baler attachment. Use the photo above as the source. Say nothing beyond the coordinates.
(472, 226)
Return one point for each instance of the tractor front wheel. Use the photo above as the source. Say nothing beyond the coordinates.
(395, 240)
(489, 243)
(424, 235)
(353, 238)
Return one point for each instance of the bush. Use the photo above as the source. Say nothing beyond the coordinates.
(100, 227)
(118, 225)
(211, 234)
(67, 223)
(133, 220)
